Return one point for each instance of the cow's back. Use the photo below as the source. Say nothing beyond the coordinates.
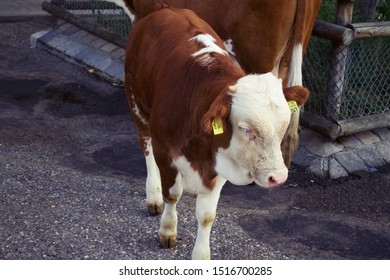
(153, 58)
(262, 30)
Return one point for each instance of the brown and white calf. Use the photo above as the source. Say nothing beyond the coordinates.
(266, 36)
(200, 119)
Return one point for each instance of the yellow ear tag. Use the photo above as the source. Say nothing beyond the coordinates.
(217, 127)
(293, 106)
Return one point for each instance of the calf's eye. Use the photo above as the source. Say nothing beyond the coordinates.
(247, 132)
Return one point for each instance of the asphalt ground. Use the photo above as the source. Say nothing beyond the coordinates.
(72, 180)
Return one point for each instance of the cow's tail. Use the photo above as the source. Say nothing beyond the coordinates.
(291, 138)
(295, 72)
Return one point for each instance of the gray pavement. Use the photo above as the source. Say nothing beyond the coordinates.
(21, 8)
(72, 180)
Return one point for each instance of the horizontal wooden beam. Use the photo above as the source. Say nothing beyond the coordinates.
(340, 128)
(366, 123)
(333, 32)
(320, 125)
(372, 29)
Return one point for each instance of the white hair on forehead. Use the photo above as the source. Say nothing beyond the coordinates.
(257, 97)
(262, 89)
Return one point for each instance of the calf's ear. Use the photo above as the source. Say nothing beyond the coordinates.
(296, 93)
(217, 113)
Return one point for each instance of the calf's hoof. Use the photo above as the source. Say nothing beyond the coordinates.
(167, 242)
(155, 209)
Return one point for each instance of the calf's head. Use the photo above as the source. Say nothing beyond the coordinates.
(259, 115)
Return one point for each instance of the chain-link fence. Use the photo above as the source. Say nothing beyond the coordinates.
(348, 82)
(98, 12)
(365, 87)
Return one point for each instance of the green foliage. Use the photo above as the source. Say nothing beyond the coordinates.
(327, 11)
(381, 13)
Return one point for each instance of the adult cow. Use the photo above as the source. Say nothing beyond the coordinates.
(267, 36)
(200, 119)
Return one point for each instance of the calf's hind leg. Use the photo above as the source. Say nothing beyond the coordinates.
(154, 200)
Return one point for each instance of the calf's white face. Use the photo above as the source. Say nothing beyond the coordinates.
(260, 116)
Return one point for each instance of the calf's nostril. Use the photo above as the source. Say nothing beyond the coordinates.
(272, 181)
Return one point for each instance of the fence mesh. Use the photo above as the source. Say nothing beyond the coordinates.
(363, 89)
(99, 12)
(367, 85)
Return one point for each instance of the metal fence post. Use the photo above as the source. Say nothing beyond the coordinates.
(338, 63)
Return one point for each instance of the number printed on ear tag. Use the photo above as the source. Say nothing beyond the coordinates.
(217, 127)
(293, 106)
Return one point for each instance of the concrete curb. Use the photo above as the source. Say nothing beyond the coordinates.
(80, 47)
(316, 153)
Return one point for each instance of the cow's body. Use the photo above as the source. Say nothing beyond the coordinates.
(181, 83)
(267, 36)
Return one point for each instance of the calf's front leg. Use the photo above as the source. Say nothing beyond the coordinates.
(168, 222)
(206, 207)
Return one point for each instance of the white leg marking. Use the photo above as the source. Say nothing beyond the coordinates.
(206, 207)
(122, 4)
(229, 46)
(168, 222)
(153, 181)
(295, 75)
